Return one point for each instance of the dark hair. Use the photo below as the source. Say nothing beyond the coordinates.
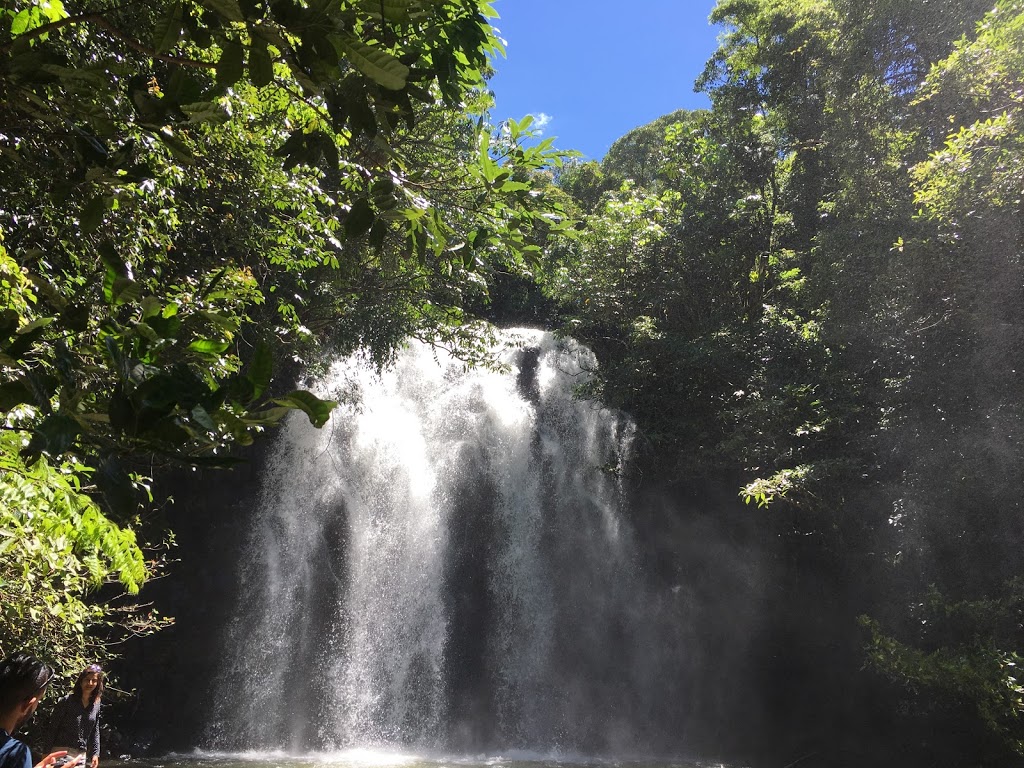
(97, 692)
(22, 677)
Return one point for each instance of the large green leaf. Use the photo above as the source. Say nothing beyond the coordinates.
(231, 64)
(118, 286)
(92, 213)
(55, 435)
(398, 11)
(23, 20)
(516, 186)
(229, 9)
(48, 290)
(39, 322)
(178, 148)
(319, 411)
(124, 290)
(360, 218)
(206, 112)
(260, 369)
(169, 29)
(209, 346)
(202, 417)
(261, 66)
(226, 323)
(267, 418)
(380, 66)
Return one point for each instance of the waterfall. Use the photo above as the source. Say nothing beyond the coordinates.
(446, 565)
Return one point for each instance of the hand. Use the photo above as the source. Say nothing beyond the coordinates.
(50, 759)
(95, 762)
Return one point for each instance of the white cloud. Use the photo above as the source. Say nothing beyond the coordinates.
(540, 120)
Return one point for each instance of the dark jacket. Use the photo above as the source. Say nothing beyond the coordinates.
(72, 725)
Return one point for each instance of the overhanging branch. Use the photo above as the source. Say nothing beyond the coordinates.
(100, 21)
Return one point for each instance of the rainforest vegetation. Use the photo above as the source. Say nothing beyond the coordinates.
(810, 298)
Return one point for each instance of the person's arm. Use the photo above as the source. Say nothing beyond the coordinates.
(92, 748)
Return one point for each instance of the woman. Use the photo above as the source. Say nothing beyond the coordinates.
(75, 722)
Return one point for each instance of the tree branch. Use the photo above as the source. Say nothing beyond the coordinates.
(100, 21)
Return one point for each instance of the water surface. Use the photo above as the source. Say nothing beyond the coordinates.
(367, 758)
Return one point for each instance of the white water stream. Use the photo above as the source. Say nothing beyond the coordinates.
(447, 565)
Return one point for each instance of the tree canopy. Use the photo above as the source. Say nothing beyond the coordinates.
(811, 293)
(195, 194)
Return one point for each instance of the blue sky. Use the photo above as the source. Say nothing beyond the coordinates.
(595, 69)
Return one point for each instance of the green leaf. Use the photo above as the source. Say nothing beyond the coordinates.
(231, 64)
(124, 290)
(169, 29)
(378, 65)
(203, 418)
(39, 322)
(397, 11)
(223, 322)
(92, 213)
(229, 9)
(260, 369)
(54, 10)
(209, 346)
(147, 332)
(261, 66)
(319, 411)
(55, 435)
(151, 307)
(21, 22)
(183, 88)
(206, 112)
(48, 290)
(360, 218)
(166, 327)
(178, 148)
(118, 287)
(268, 417)
(515, 186)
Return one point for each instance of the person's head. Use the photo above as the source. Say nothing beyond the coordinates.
(89, 685)
(23, 681)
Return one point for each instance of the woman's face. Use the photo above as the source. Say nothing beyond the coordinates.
(90, 681)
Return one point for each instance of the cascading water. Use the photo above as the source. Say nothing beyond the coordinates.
(447, 566)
